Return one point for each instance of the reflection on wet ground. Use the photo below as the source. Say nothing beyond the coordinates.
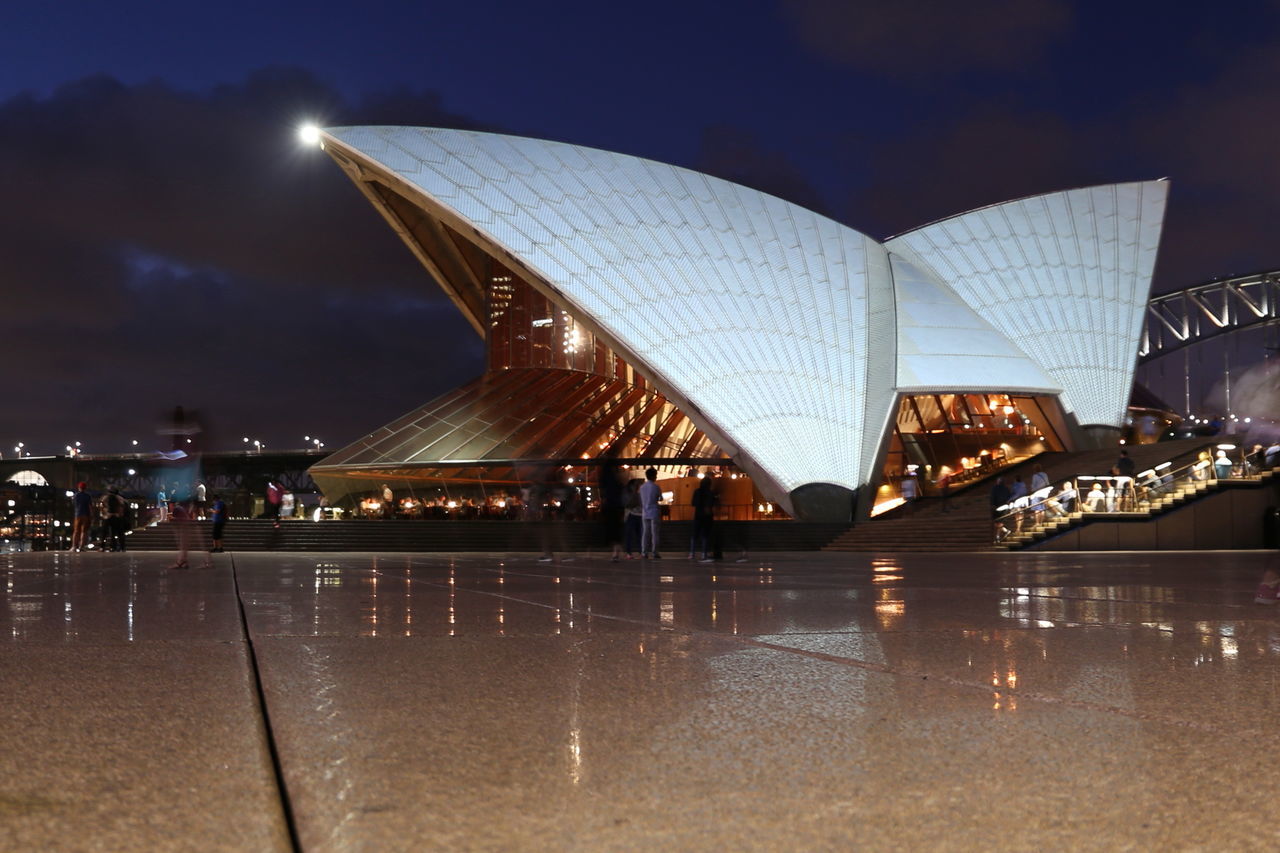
(799, 700)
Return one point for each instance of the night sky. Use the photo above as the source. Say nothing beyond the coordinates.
(166, 240)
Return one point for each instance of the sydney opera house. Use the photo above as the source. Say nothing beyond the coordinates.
(666, 317)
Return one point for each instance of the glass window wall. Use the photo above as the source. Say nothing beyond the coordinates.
(960, 438)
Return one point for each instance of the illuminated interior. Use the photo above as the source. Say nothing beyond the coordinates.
(670, 312)
(552, 395)
(963, 436)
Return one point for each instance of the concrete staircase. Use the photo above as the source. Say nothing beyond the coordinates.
(966, 523)
(1181, 494)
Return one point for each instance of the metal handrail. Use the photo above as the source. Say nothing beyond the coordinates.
(1114, 493)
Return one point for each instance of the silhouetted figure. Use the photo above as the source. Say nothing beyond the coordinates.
(182, 515)
(704, 513)
(1124, 465)
(82, 503)
(116, 507)
(612, 506)
(217, 514)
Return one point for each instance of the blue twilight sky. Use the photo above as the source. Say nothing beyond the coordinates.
(165, 241)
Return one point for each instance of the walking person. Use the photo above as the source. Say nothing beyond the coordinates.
(82, 502)
(182, 514)
(704, 510)
(116, 507)
(275, 494)
(218, 515)
(650, 514)
(612, 506)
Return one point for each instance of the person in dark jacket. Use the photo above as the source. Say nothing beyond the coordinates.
(704, 511)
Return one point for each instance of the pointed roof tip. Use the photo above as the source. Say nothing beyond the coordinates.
(887, 240)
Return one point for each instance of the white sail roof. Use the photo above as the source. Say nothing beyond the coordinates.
(781, 333)
(748, 310)
(1065, 276)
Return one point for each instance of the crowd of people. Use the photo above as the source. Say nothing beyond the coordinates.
(1122, 489)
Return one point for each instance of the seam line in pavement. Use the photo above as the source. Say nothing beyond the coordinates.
(277, 768)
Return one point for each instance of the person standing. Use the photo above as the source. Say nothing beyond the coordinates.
(115, 520)
(162, 505)
(650, 514)
(704, 513)
(218, 515)
(612, 506)
(1124, 466)
(82, 502)
(275, 494)
(388, 497)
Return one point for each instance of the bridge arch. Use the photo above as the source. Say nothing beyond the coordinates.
(1196, 314)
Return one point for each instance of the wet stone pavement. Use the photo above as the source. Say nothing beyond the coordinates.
(791, 702)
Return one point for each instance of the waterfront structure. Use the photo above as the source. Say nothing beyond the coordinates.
(644, 311)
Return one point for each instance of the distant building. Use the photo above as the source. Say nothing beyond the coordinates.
(664, 315)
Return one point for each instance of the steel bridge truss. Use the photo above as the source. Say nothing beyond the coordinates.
(1178, 320)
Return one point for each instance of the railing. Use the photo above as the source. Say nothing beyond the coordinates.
(513, 511)
(1087, 496)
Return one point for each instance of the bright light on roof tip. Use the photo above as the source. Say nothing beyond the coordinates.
(309, 134)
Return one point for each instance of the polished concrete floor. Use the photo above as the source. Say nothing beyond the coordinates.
(792, 702)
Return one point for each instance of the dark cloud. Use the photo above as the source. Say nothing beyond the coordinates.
(162, 247)
(1213, 139)
(1217, 139)
(991, 155)
(925, 36)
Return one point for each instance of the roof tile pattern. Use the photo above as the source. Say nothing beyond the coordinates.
(1066, 276)
(781, 333)
(749, 310)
